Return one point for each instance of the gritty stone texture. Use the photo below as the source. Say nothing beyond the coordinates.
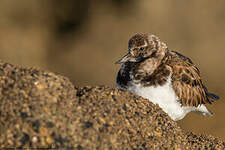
(40, 109)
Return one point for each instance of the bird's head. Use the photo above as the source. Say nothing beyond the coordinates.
(142, 46)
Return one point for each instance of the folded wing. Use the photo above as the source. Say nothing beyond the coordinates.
(187, 82)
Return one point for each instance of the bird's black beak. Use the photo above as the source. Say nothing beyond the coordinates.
(125, 58)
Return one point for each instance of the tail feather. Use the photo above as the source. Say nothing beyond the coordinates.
(213, 96)
(210, 96)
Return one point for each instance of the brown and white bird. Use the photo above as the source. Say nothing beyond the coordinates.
(165, 77)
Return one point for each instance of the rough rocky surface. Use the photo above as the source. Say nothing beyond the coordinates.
(41, 109)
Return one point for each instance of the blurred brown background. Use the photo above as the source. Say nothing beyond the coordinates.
(81, 39)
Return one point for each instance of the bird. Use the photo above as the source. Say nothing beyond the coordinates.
(164, 77)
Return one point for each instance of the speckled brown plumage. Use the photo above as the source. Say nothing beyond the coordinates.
(150, 63)
(187, 82)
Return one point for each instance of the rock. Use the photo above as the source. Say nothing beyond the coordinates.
(40, 109)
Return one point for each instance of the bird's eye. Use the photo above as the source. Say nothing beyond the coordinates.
(142, 48)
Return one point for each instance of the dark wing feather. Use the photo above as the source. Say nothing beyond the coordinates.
(187, 82)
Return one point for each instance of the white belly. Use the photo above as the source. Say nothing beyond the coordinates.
(164, 96)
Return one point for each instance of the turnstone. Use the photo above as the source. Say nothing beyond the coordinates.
(164, 77)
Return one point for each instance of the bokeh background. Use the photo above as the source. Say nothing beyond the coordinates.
(81, 39)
